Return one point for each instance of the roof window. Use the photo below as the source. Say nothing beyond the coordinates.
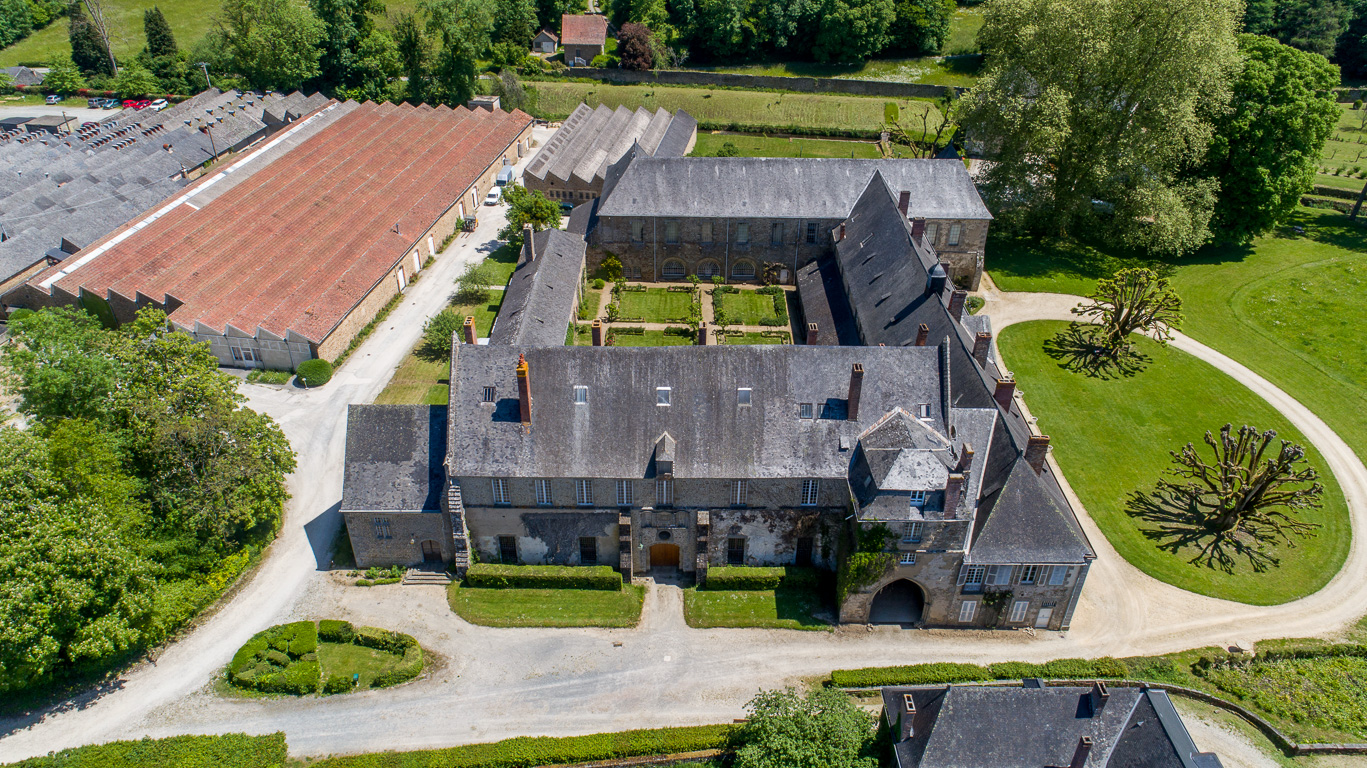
(488, 396)
(662, 395)
(581, 394)
(923, 410)
(805, 410)
(743, 396)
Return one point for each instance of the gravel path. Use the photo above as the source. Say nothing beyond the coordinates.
(496, 683)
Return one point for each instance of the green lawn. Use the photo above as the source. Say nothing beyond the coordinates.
(739, 110)
(1173, 401)
(579, 334)
(417, 381)
(547, 607)
(1053, 265)
(502, 263)
(782, 608)
(776, 146)
(339, 659)
(649, 339)
(746, 307)
(656, 305)
(750, 337)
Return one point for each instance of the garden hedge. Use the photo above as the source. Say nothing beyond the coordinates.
(741, 577)
(314, 373)
(544, 750)
(284, 658)
(334, 631)
(230, 750)
(949, 672)
(543, 577)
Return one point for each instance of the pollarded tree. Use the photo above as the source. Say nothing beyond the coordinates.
(823, 729)
(924, 128)
(1247, 486)
(1134, 300)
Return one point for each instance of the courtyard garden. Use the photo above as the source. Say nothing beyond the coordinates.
(751, 145)
(627, 336)
(767, 306)
(765, 598)
(330, 657)
(1171, 402)
(654, 305)
(545, 596)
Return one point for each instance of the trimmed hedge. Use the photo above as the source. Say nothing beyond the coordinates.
(742, 577)
(947, 672)
(230, 750)
(543, 577)
(409, 668)
(383, 640)
(314, 373)
(334, 631)
(284, 658)
(544, 750)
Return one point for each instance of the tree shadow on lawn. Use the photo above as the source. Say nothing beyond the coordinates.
(1177, 525)
(1078, 350)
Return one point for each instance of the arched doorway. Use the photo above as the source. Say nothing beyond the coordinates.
(431, 552)
(900, 602)
(664, 555)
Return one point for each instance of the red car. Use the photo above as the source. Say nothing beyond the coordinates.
(143, 104)
(130, 104)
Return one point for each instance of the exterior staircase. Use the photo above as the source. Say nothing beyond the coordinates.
(460, 535)
(435, 574)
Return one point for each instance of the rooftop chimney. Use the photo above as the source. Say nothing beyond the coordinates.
(597, 333)
(811, 334)
(1084, 748)
(471, 337)
(918, 228)
(524, 390)
(904, 202)
(528, 247)
(954, 492)
(856, 388)
(842, 233)
(982, 343)
(922, 334)
(1036, 450)
(957, 299)
(1006, 389)
(702, 334)
(965, 458)
(1099, 697)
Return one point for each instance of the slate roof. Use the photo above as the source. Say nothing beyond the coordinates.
(1024, 522)
(590, 139)
(772, 187)
(24, 76)
(541, 299)
(965, 726)
(395, 458)
(588, 29)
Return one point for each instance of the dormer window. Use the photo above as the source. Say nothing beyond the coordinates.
(662, 395)
(581, 395)
(923, 410)
(918, 498)
(743, 396)
(805, 410)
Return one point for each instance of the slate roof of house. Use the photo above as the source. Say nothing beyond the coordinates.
(614, 434)
(395, 458)
(549, 35)
(822, 298)
(541, 299)
(1016, 727)
(23, 76)
(771, 187)
(289, 239)
(590, 139)
(587, 29)
(1026, 522)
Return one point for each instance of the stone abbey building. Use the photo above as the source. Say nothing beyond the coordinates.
(891, 434)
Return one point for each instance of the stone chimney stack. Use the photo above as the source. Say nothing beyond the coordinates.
(702, 334)
(982, 344)
(922, 334)
(524, 390)
(597, 328)
(1099, 697)
(954, 493)
(1036, 451)
(811, 334)
(856, 389)
(965, 459)
(957, 299)
(1006, 389)
(918, 228)
(903, 202)
(471, 335)
(528, 247)
(1084, 748)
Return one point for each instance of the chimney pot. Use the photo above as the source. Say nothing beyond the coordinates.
(1036, 451)
(954, 492)
(856, 388)
(918, 229)
(597, 333)
(982, 344)
(524, 390)
(842, 232)
(811, 334)
(922, 334)
(1084, 748)
(702, 334)
(1006, 389)
(527, 245)
(471, 336)
(965, 458)
(957, 299)
(904, 202)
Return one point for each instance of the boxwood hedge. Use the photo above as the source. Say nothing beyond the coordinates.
(284, 658)
(543, 577)
(741, 577)
(948, 672)
(230, 750)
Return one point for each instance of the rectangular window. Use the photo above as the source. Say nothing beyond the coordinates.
(743, 396)
(382, 528)
(740, 489)
(543, 492)
(911, 533)
(1018, 610)
(500, 490)
(999, 575)
(918, 499)
(923, 410)
(1029, 573)
(638, 231)
(776, 234)
(805, 411)
(245, 355)
(588, 550)
(735, 551)
(581, 395)
(931, 231)
(966, 611)
(809, 492)
(908, 558)
(507, 549)
(624, 493)
(488, 395)
(583, 493)
(973, 576)
(672, 232)
(1057, 575)
(662, 395)
(811, 232)
(706, 235)
(954, 230)
(742, 234)
(664, 493)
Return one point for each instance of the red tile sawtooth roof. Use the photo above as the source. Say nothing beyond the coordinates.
(297, 244)
(583, 30)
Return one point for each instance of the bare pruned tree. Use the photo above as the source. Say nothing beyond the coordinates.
(927, 128)
(1133, 300)
(96, 10)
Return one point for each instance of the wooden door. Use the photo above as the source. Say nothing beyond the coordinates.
(1042, 620)
(664, 556)
(431, 552)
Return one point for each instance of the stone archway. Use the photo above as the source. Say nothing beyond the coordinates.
(899, 602)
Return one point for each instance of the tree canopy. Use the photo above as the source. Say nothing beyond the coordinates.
(824, 729)
(462, 28)
(161, 41)
(527, 207)
(635, 47)
(88, 50)
(357, 58)
(134, 80)
(63, 77)
(274, 44)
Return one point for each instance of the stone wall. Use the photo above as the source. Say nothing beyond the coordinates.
(799, 84)
(407, 531)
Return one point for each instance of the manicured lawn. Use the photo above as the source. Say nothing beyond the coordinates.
(649, 339)
(750, 337)
(656, 305)
(782, 608)
(1054, 265)
(547, 607)
(589, 301)
(777, 146)
(578, 334)
(739, 110)
(1112, 438)
(501, 264)
(746, 307)
(1339, 182)
(338, 659)
(417, 381)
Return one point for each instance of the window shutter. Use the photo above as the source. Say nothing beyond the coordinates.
(963, 574)
(991, 575)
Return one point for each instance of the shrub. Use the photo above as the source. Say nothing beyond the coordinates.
(438, 332)
(232, 750)
(337, 684)
(409, 668)
(1357, 104)
(474, 284)
(334, 631)
(744, 578)
(599, 283)
(300, 679)
(601, 61)
(543, 577)
(278, 658)
(914, 674)
(383, 640)
(314, 373)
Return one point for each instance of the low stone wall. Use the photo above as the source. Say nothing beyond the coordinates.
(729, 80)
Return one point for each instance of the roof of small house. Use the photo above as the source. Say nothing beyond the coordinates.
(586, 29)
(547, 35)
(395, 458)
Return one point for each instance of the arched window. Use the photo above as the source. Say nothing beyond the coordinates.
(673, 269)
(743, 270)
(708, 269)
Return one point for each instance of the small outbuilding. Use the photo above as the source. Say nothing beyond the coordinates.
(583, 37)
(545, 41)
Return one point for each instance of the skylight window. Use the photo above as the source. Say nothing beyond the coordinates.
(488, 396)
(581, 395)
(805, 411)
(923, 410)
(743, 396)
(662, 395)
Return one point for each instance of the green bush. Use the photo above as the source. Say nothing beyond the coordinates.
(599, 283)
(314, 373)
(383, 640)
(334, 631)
(230, 750)
(740, 577)
(299, 679)
(278, 658)
(337, 684)
(19, 314)
(931, 674)
(543, 577)
(438, 334)
(409, 668)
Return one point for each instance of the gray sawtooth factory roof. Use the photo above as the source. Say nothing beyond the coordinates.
(395, 456)
(541, 299)
(592, 138)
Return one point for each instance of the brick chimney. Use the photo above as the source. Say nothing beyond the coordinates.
(528, 247)
(597, 328)
(954, 492)
(811, 334)
(922, 334)
(702, 334)
(982, 343)
(471, 335)
(1099, 697)
(856, 388)
(903, 202)
(1084, 748)
(957, 299)
(965, 458)
(1036, 450)
(1006, 389)
(918, 229)
(524, 390)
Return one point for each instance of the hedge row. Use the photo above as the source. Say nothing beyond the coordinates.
(1323, 190)
(780, 306)
(948, 672)
(230, 750)
(745, 577)
(543, 577)
(543, 750)
(282, 659)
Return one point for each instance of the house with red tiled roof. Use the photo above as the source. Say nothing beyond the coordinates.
(583, 37)
(285, 253)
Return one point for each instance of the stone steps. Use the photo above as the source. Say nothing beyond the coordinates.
(420, 576)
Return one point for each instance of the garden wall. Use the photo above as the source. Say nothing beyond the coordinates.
(729, 80)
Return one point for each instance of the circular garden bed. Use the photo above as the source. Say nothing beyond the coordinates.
(307, 657)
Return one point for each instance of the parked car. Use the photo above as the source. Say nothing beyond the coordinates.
(143, 104)
(110, 104)
(494, 197)
(130, 103)
(54, 99)
(160, 104)
(94, 103)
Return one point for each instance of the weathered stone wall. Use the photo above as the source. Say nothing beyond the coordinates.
(799, 84)
(407, 532)
(545, 535)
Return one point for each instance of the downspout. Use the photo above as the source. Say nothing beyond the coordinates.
(655, 244)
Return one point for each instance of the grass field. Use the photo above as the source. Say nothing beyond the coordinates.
(649, 339)
(777, 146)
(656, 305)
(1054, 265)
(756, 338)
(746, 307)
(417, 381)
(349, 659)
(1170, 403)
(782, 608)
(757, 110)
(547, 607)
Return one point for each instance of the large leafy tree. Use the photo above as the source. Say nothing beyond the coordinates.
(161, 41)
(462, 27)
(550, 12)
(357, 57)
(854, 30)
(1092, 110)
(634, 46)
(515, 22)
(134, 80)
(1310, 25)
(527, 207)
(88, 50)
(722, 29)
(16, 21)
(1265, 151)
(823, 729)
(274, 44)
(921, 26)
(415, 53)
